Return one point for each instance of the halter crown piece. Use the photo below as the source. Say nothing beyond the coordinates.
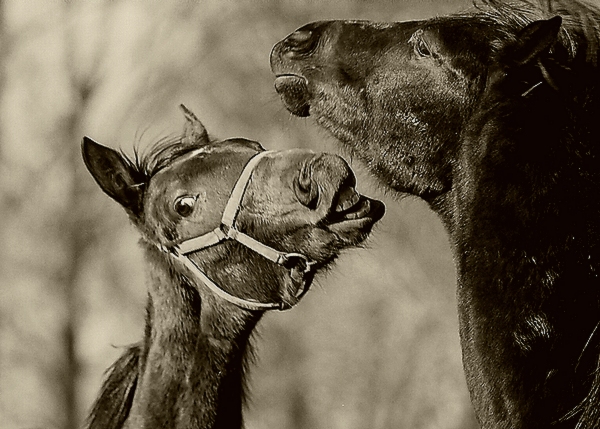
(299, 265)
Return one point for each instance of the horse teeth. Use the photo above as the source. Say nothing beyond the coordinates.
(347, 199)
(355, 198)
(359, 213)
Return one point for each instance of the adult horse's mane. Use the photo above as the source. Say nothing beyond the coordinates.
(580, 31)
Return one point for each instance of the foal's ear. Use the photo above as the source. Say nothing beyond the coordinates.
(534, 40)
(194, 131)
(115, 175)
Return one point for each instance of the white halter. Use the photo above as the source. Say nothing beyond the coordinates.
(299, 265)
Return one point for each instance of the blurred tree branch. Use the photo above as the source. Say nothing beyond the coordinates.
(74, 225)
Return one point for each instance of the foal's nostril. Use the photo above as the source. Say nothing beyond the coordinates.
(306, 189)
(300, 41)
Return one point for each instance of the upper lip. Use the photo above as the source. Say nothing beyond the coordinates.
(289, 74)
(290, 80)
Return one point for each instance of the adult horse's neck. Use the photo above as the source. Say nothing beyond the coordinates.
(192, 370)
(523, 215)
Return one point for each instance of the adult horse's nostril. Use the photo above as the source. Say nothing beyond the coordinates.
(300, 41)
(299, 37)
(305, 188)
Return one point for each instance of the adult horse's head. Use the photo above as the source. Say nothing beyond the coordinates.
(402, 95)
(288, 202)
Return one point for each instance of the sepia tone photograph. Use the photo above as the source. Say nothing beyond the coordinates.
(339, 214)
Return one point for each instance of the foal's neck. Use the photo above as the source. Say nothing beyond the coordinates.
(195, 356)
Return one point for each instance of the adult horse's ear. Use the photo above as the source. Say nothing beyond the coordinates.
(115, 175)
(194, 132)
(533, 41)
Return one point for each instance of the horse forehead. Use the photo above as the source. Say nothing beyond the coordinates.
(279, 163)
(202, 163)
(222, 163)
(355, 35)
(352, 36)
(217, 153)
(391, 29)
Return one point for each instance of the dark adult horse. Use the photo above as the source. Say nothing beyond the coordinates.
(492, 117)
(229, 231)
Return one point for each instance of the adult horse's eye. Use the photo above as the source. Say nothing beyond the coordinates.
(184, 206)
(419, 44)
(421, 48)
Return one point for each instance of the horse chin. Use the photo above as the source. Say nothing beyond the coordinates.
(354, 226)
(294, 93)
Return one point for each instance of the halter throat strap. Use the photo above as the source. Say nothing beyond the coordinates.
(299, 265)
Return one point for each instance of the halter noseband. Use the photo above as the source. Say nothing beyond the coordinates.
(299, 265)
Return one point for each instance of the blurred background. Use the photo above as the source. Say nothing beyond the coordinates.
(374, 345)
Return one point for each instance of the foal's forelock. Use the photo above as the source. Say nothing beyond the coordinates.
(161, 154)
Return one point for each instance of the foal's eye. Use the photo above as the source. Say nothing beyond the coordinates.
(184, 206)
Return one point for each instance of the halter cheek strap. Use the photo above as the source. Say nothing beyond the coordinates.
(299, 265)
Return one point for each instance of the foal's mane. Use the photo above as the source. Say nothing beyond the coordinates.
(111, 408)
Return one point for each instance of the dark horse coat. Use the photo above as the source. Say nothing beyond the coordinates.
(493, 117)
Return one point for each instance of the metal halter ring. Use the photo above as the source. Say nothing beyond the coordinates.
(300, 267)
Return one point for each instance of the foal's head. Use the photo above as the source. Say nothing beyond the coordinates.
(295, 201)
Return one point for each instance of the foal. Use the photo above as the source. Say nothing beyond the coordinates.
(229, 231)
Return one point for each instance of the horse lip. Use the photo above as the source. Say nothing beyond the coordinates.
(290, 75)
(294, 93)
